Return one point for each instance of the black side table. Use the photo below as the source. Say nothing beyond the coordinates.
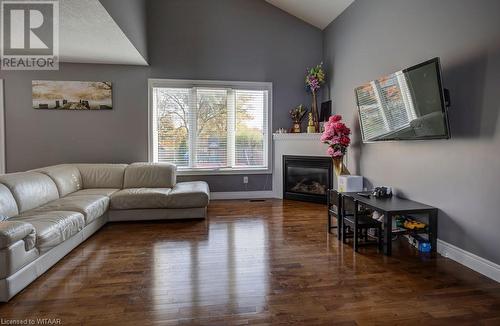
(390, 207)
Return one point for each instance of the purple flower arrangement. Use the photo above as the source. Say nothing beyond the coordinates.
(315, 78)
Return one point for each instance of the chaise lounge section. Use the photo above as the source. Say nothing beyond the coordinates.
(46, 213)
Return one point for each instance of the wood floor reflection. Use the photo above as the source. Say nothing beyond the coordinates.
(252, 263)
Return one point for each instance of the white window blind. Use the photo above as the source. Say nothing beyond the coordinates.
(210, 126)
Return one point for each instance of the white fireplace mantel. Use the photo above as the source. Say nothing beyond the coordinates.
(293, 137)
(293, 144)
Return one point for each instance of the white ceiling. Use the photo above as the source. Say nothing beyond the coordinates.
(88, 34)
(319, 13)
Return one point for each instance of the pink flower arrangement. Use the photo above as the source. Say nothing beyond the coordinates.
(336, 135)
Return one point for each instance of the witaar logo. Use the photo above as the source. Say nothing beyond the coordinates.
(30, 35)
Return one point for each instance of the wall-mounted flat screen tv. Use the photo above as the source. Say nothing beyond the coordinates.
(406, 105)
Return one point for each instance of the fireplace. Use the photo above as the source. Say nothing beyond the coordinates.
(306, 178)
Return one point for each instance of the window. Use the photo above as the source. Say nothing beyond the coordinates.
(208, 126)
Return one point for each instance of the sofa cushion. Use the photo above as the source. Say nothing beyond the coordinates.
(150, 175)
(91, 206)
(102, 175)
(135, 198)
(53, 228)
(8, 206)
(66, 177)
(189, 195)
(30, 189)
(96, 191)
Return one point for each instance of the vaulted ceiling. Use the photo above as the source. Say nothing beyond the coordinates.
(88, 34)
(319, 13)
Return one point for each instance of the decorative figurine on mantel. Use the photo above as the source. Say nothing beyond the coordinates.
(297, 116)
(310, 125)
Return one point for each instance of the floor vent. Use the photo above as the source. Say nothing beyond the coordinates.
(256, 200)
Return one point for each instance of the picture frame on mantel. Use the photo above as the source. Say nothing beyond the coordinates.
(2, 129)
(326, 111)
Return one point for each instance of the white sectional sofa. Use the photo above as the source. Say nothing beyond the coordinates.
(47, 212)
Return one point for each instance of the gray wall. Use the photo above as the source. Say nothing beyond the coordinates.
(238, 40)
(37, 138)
(211, 39)
(234, 40)
(460, 176)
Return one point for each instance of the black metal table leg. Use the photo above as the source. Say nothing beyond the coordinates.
(340, 219)
(344, 229)
(387, 234)
(433, 226)
(328, 213)
(356, 228)
(380, 238)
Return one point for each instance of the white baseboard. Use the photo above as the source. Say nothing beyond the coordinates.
(468, 259)
(241, 195)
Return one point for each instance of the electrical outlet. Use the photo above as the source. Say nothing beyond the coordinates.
(245, 179)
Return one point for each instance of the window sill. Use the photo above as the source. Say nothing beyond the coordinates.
(224, 172)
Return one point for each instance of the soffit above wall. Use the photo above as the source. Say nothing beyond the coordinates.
(319, 13)
(88, 34)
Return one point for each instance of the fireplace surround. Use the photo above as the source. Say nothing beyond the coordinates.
(306, 178)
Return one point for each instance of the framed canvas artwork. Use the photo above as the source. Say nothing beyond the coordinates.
(72, 95)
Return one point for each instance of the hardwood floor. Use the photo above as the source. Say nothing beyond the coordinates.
(253, 263)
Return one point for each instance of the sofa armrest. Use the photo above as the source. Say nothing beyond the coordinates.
(13, 231)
